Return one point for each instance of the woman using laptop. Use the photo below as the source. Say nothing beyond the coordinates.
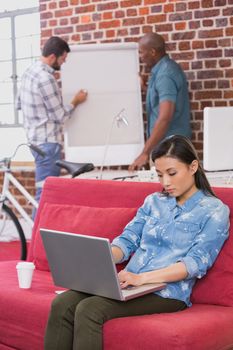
(175, 238)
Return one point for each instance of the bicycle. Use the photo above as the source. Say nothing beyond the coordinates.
(7, 216)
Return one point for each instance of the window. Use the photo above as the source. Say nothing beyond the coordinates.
(20, 46)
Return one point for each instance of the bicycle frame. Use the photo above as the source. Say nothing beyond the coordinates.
(6, 194)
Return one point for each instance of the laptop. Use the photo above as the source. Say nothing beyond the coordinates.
(85, 264)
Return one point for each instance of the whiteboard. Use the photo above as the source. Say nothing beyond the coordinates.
(218, 138)
(109, 72)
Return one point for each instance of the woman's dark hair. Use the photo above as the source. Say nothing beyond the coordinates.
(56, 46)
(181, 148)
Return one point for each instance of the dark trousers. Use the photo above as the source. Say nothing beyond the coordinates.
(76, 319)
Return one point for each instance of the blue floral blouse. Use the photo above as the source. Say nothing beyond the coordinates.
(163, 233)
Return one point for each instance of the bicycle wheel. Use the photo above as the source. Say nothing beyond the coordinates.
(8, 219)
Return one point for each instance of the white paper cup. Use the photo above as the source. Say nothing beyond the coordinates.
(25, 272)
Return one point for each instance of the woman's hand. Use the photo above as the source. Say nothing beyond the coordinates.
(173, 273)
(129, 279)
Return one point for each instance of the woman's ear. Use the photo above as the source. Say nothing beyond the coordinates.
(194, 166)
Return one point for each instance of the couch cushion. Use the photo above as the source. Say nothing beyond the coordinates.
(24, 312)
(201, 327)
(102, 222)
(97, 193)
(217, 286)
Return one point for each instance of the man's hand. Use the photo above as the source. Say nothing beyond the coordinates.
(129, 279)
(139, 162)
(80, 97)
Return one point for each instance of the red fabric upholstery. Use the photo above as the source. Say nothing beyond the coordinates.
(11, 250)
(201, 327)
(24, 313)
(23, 321)
(217, 286)
(107, 194)
(102, 222)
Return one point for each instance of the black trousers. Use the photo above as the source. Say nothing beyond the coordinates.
(76, 319)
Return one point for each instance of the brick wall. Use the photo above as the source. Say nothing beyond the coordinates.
(199, 35)
(26, 178)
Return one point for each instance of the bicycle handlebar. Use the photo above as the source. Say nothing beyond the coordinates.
(7, 160)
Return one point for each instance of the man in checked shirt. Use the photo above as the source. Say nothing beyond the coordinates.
(43, 110)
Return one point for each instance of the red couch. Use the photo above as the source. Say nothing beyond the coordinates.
(65, 203)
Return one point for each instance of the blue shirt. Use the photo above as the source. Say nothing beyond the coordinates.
(163, 233)
(168, 83)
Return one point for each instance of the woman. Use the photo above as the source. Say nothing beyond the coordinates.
(175, 236)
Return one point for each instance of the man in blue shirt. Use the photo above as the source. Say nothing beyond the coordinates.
(167, 100)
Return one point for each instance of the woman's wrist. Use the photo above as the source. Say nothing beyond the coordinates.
(143, 278)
